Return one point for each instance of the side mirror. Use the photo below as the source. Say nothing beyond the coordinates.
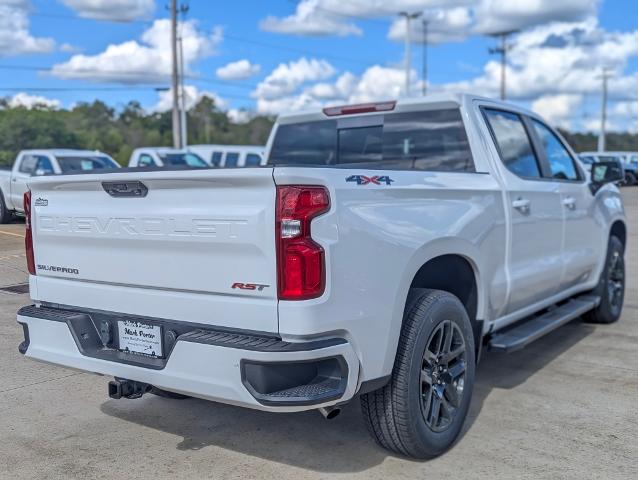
(606, 172)
(39, 172)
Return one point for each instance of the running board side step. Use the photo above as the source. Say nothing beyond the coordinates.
(526, 331)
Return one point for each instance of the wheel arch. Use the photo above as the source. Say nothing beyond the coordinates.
(424, 271)
(619, 229)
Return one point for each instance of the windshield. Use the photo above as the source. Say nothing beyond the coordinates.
(184, 159)
(86, 164)
(432, 140)
(586, 159)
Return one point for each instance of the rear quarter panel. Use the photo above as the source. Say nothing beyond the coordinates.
(376, 238)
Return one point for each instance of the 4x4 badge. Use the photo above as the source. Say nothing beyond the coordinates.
(374, 180)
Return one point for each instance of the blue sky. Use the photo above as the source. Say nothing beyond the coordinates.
(298, 54)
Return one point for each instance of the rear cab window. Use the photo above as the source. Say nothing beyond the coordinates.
(432, 140)
(87, 163)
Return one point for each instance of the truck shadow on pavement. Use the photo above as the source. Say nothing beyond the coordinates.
(306, 440)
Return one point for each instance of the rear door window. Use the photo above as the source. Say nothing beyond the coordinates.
(430, 140)
(513, 142)
(253, 160)
(232, 159)
(216, 159)
(146, 161)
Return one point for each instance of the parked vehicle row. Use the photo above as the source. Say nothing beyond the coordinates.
(230, 156)
(381, 247)
(34, 163)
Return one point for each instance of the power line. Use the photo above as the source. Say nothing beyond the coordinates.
(78, 89)
(234, 38)
(106, 75)
(303, 51)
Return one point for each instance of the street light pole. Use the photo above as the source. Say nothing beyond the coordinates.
(408, 47)
(177, 128)
(602, 138)
(425, 56)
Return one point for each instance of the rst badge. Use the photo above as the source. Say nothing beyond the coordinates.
(249, 286)
(374, 180)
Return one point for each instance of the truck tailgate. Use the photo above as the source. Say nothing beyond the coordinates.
(198, 247)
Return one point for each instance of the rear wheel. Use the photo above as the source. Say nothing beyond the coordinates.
(611, 287)
(421, 411)
(5, 213)
(630, 179)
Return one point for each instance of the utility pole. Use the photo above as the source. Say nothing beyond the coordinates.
(408, 47)
(502, 51)
(603, 112)
(177, 128)
(182, 118)
(425, 55)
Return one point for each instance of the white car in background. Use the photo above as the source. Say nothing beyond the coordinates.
(31, 163)
(231, 155)
(165, 157)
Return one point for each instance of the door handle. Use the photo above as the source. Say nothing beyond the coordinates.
(522, 205)
(14, 179)
(570, 203)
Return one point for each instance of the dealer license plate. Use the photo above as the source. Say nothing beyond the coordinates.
(137, 337)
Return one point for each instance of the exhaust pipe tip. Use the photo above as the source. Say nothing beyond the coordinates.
(330, 413)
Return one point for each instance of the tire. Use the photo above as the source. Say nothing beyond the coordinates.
(630, 179)
(5, 214)
(611, 286)
(393, 414)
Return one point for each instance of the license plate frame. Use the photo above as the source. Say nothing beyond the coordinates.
(140, 338)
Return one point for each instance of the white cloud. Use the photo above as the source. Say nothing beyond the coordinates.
(287, 77)
(193, 96)
(144, 61)
(240, 115)
(310, 19)
(240, 70)
(376, 83)
(444, 25)
(449, 20)
(497, 16)
(558, 109)
(26, 100)
(559, 58)
(15, 38)
(114, 10)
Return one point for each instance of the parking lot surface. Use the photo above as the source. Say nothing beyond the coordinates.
(565, 407)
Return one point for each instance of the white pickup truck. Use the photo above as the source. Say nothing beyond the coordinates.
(30, 163)
(381, 247)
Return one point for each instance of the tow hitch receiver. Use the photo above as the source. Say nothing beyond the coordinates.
(121, 388)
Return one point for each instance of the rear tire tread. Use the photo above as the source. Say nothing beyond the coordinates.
(385, 410)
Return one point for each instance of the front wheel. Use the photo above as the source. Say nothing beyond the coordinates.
(611, 287)
(421, 411)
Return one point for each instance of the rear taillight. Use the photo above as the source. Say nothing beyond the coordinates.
(301, 270)
(28, 236)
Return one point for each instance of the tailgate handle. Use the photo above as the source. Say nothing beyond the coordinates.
(125, 189)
